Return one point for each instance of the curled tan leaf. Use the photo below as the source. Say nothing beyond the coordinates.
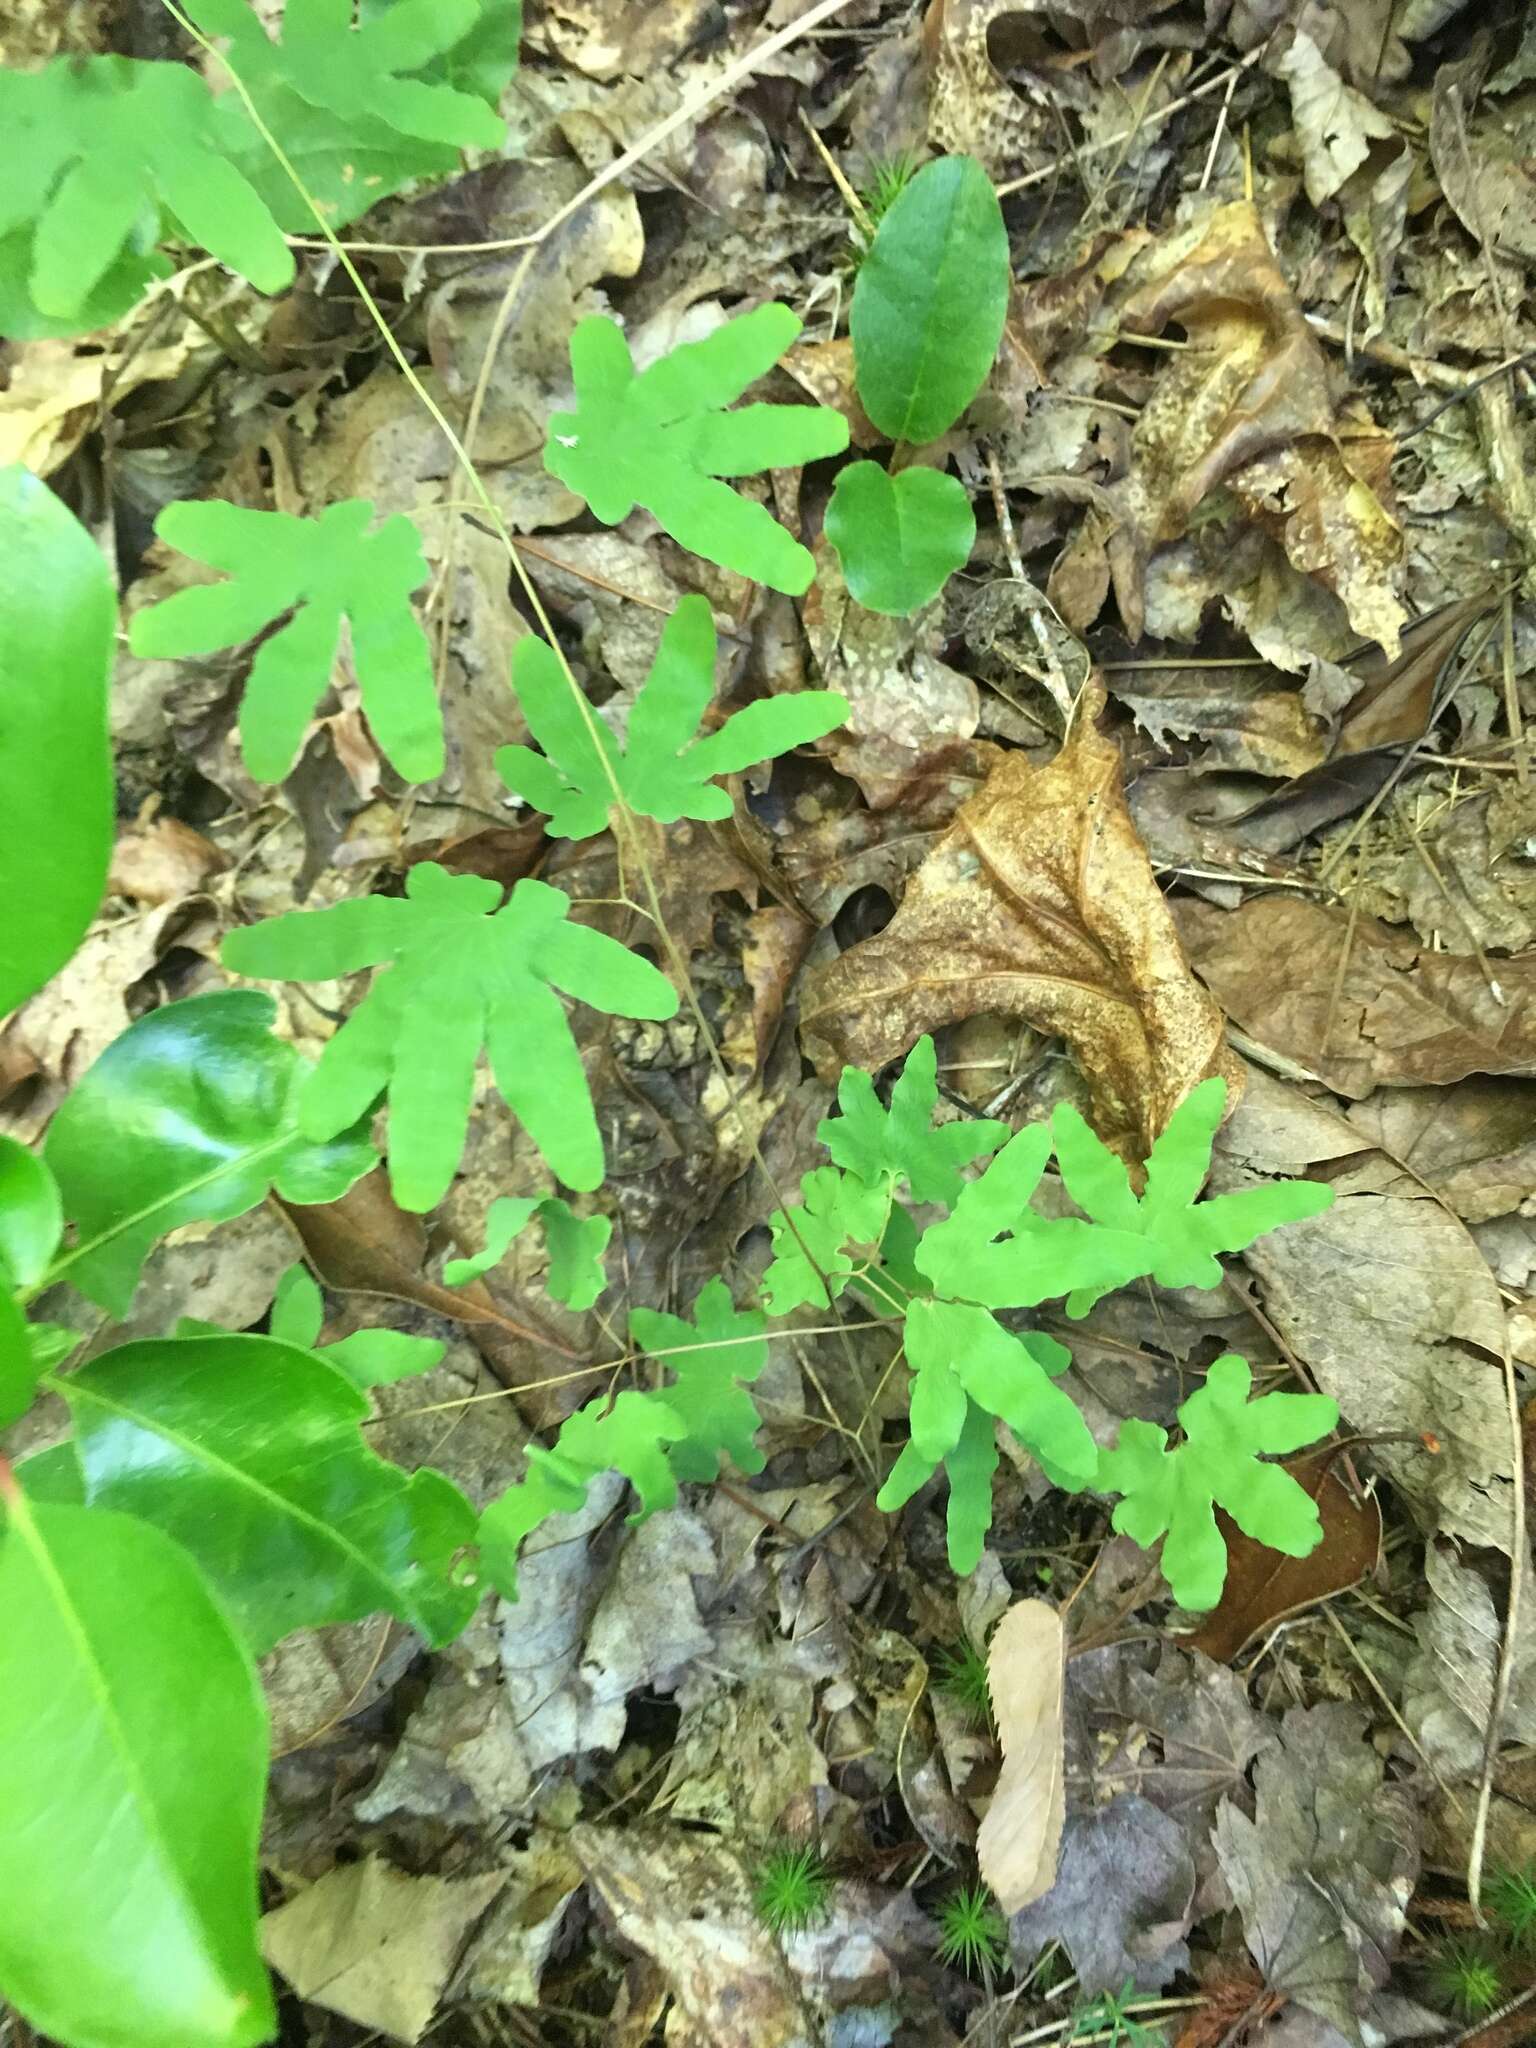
(1020, 1838)
(1039, 902)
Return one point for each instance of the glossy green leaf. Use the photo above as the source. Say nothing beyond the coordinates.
(57, 617)
(324, 570)
(629, 1435)
(883, 1147)
(1219, 1464)
(965, 1365)
(368, 1358)
(899, 538)
(930, 301)
(662, 439)
(249, 1452)
(132, 1769)
(812, 1241)
(664, 769)
(103, 152)
(31, 1216)
(192, 1116)
(462, 973)
(1182, 1233)
(708, 1358)
(20, 1368)
(994, 1249)
(575, 1244)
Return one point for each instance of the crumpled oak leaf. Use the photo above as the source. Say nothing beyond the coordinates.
(1174, 1493)
(1247, 404)
(1039, 902)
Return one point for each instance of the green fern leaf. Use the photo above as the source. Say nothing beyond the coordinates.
(994, 1249)
(462, 974)
(323, 570)
(721, 1419)
(575, 1245)
(664, 770)
(810, 1241)
(885, 1146)
(630, 1435)
(966, 1368)
(358, 71)
(348, 163)
(660, 438)
(100, 156)
(1181, 1233)
(1219, 1464)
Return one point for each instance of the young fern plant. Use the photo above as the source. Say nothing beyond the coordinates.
(216, 1490)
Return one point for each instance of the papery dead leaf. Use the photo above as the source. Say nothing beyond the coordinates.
(1020, 1838)
(162, 861)
(1390, 1013)
(1264, 1585)
(1247, 403)
(1393, 1310)
(1039, 902)
(1487, 180)
(375, 1944)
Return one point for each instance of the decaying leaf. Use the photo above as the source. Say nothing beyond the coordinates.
(375, 1944)
(1021, 1835)
(1039, 903)
(1448, 1688)
(1323, 1873)
(1123, 1898)
(1247, 404)
(1263, 1585)
(1392, 1308)
(1357, 1003)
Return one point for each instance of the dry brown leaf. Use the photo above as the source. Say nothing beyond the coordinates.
(1397, 1013)
(1488, 181)
(374, 1944)
(910, 715)
(1020, 1839)
(1039, 902)
(1264, 1585)
(1247, 403)
(162, 861)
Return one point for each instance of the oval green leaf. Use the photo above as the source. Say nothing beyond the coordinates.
(899, 538)
(31, 1220)
(929, 304)
(190, 1116)
(249, 1453)
(133, 1757)
(57, 615)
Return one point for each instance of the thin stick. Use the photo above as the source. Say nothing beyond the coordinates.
(1109, 142)
(1519, 1564)
(1512, 710)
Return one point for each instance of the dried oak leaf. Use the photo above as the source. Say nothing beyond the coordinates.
(1039, 902)
(1247, 404)
(1362, 1006)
